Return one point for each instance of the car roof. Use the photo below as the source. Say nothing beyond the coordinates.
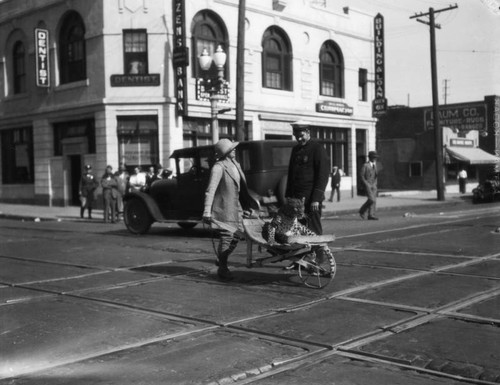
(191, 151)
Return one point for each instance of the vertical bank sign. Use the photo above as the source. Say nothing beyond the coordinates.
(380, 102)
(42, 57)
(180, 57)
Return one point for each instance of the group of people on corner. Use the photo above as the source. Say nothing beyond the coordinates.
(114, 186)
(227, 198)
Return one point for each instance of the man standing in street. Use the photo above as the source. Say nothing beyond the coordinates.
(369, 180)
(308, 174)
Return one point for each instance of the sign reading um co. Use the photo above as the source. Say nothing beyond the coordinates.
(461, 118)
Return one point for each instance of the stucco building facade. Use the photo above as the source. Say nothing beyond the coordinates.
(105, 82)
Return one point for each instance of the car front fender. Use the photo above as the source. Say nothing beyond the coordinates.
(150, 203)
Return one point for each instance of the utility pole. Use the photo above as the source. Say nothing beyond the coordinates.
(445, 93)
(438, 131)
(240, 74)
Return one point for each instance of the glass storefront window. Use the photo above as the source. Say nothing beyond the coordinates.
(138, 140)
(17, 156)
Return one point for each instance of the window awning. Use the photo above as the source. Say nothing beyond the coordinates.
(472, 155)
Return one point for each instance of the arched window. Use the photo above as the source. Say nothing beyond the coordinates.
(208, 32)
(72, 57)
(276, 60)
(331, 70)
(19, 68)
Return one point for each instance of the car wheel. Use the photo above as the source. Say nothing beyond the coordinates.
(137, 217)
(187, 225)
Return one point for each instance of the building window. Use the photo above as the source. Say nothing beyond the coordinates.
(135, 51)
(208, 33)
(138, 140)
(276, 60)
(19, 68)
(72, 56)
(336, 145)
(416, 169)
(197, 132)
(17, 156)
(74, 137)
(363, 84)
(331, 70)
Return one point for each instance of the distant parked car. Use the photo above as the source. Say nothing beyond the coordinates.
(180, 200)
(487, 191)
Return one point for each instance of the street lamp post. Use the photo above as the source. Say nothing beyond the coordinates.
(219, 59)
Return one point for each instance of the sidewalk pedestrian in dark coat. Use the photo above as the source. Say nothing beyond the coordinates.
(335, 183)
(369, 180)
(308, 175)
(87, 186)
(109, 193)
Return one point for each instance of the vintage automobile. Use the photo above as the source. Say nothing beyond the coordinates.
(180, 200)
(487, 191)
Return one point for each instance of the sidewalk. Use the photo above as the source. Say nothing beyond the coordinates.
(347, 205)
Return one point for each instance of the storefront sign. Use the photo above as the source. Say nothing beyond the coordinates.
(147, 80)
(42, 57)
(462, 118)
(203, 93)
(380, 102)
(334, 108)
(180, 57)
(460, 142)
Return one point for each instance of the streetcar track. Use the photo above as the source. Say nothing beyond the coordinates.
(343, 348)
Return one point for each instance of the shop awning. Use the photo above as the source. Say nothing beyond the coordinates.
(472, 155)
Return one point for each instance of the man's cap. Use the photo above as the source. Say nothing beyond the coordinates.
(372, 154)
(88, 167)
(224, 147)
(301, 125)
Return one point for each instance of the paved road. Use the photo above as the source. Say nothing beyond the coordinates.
(415, 301)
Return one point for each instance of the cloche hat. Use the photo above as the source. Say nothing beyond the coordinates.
(224, 147)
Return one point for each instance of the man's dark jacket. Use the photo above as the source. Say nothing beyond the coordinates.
(308, 172)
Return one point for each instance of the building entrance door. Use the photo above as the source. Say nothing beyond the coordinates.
(75, 166)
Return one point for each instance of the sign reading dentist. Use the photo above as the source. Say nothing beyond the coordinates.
(42, 57)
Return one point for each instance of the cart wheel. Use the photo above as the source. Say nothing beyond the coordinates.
(317, 271)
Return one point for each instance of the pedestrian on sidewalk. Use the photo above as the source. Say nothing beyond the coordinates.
(462, 180)
(308, 173)
(137, 181)
(122, 178)
(369, 180)
(109, 194)
(86, 190)
(225, 199)
(336, 176)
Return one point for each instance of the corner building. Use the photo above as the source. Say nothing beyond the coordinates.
(104, 82)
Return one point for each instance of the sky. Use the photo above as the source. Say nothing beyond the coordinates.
(467, 45)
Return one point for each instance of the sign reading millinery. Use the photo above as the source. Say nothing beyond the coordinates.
(42, 57)
(380, 102)
(338, 108)
(146, 80)
(461, 118)
(180, 57)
